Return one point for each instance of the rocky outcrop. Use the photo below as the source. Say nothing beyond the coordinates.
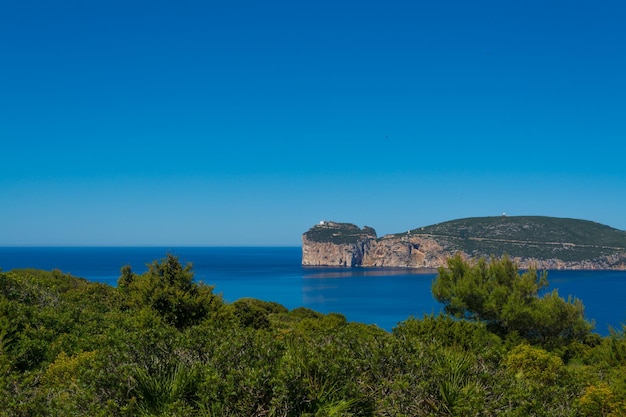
(332, 254)
(336, 244)
(407, 252)
(346, 245)
(615, 262)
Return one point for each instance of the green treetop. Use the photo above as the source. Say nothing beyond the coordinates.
(508, 301)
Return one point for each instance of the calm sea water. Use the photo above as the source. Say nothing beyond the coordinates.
(371, 295)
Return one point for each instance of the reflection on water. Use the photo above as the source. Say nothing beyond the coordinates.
(318, 299)
(382, 296)
(325, 272)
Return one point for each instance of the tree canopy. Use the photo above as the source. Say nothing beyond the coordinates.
(169, 288)
(509, 301)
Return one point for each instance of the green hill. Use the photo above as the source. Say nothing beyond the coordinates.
(527, 236)
(339, 233)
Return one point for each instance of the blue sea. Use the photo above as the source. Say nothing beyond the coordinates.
(370, 295)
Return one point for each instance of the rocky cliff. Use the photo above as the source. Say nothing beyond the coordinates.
(336, 244)
(344, 244)
(532, 241)
(408, 252)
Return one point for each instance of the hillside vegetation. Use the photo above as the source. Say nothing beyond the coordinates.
(527, 236)
(339, 233)
(163, 344)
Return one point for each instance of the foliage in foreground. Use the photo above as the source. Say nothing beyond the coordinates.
(161, 344)
(509, 301)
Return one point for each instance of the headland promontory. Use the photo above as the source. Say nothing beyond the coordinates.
(531, 241)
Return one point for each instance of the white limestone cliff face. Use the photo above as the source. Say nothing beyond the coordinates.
(385, 252)
(407, 252)
(335, 244)
(605, 263)
(332, 254)
(343, 244)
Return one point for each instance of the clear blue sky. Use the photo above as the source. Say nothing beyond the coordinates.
(247, 122)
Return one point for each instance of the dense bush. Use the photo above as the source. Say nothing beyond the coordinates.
(161, 344)
(508, 301)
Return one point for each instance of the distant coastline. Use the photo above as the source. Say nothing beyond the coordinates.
(546, 243)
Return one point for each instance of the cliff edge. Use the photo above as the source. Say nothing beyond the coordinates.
(531, 241)
(336, 244)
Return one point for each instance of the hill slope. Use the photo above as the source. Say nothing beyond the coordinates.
(528, 237)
